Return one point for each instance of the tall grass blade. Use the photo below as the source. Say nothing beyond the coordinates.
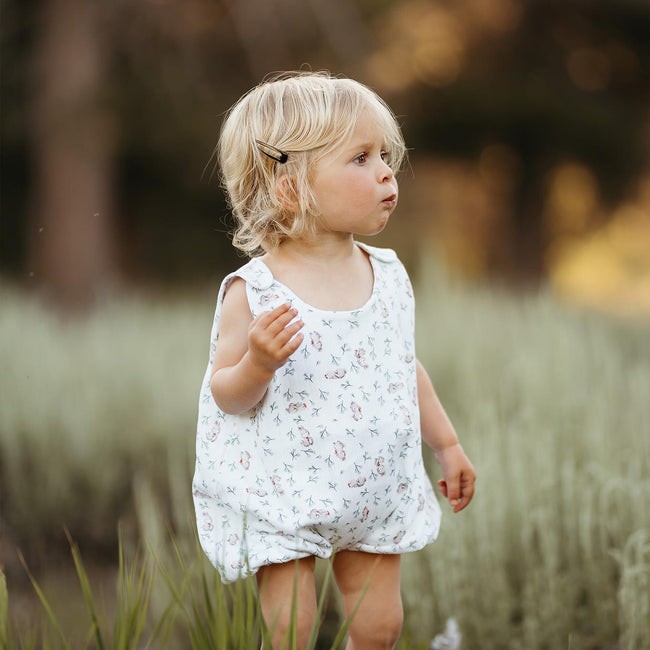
(135, 585)
(634, 591)
(45, 604)
(322, 600)
(4, 612)
(343, 630)
(253, 610)
(86, 589)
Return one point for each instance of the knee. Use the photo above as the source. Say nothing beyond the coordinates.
(382, 630)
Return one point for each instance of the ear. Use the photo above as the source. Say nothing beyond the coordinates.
(286, 193)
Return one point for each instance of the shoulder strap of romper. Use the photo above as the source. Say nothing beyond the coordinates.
(387, 255)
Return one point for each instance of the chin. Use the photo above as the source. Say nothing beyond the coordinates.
(382, 225)
(375, 231)
(374, 228)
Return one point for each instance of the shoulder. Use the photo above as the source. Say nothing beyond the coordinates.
(241, 290)
(233, 293)
(254, 273)
(235, 311)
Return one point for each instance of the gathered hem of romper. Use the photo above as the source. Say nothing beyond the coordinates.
(232, 572)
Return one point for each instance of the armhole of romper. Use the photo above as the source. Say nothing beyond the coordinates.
(223, 289)
(256, 277)
(250, 292)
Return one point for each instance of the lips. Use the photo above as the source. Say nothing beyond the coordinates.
(390, 200)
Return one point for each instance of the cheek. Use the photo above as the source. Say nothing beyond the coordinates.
(352, 190)
(359, 190)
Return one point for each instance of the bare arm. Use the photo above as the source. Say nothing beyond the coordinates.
(438, 432)
(249, 351)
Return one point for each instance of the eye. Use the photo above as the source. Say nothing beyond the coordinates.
(361, 159)
(385, 156)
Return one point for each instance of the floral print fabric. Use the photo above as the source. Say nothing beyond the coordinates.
(331, 457)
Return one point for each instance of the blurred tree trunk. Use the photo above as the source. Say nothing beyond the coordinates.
(72, 238)
(259, 26)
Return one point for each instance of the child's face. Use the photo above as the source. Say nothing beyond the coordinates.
(355, 188)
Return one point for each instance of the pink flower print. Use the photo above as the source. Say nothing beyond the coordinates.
(334, 539)
(399, 537)
(277, 484)
(214, 431)
(339, 450)
(393, 388)
(296, 406)
(257, 492)
(402, 487)
(244, 459)
(360, 356)
(233, 539)
(305, 437)
(315, 340)
(364, 514)
(356, 411)
(267, 298)
(206, 522)
(380, 465)
(421, 502)
(358, 482)
(318, 514)
(337, 373)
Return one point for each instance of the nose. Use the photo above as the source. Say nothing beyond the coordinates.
(385, 171)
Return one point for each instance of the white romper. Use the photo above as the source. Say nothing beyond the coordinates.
(331, 456)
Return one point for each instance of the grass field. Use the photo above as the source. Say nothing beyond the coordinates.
(552, 405)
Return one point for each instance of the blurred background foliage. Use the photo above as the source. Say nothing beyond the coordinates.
(528, 121)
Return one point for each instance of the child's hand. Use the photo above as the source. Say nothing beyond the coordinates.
(273, 338)
(457, 486)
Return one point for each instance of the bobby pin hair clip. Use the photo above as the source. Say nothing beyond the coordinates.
(272, 152)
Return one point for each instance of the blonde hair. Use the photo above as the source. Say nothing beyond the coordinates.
(307, 115)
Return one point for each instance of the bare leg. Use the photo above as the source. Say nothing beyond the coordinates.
(370, 583)
(276, 583)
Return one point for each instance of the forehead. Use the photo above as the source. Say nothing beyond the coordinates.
(369, 127)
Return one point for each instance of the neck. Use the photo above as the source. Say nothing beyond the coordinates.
(326, 247)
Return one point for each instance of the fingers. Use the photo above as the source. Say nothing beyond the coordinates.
(276, 319)
(292, 339)
(285, 334)
(458, 491)
(467, 490)
(453, 493)
(274, 336)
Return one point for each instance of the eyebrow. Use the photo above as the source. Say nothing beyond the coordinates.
(363, 146)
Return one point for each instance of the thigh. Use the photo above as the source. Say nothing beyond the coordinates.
(370, 585)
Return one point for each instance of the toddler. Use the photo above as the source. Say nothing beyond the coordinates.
(314, 405)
